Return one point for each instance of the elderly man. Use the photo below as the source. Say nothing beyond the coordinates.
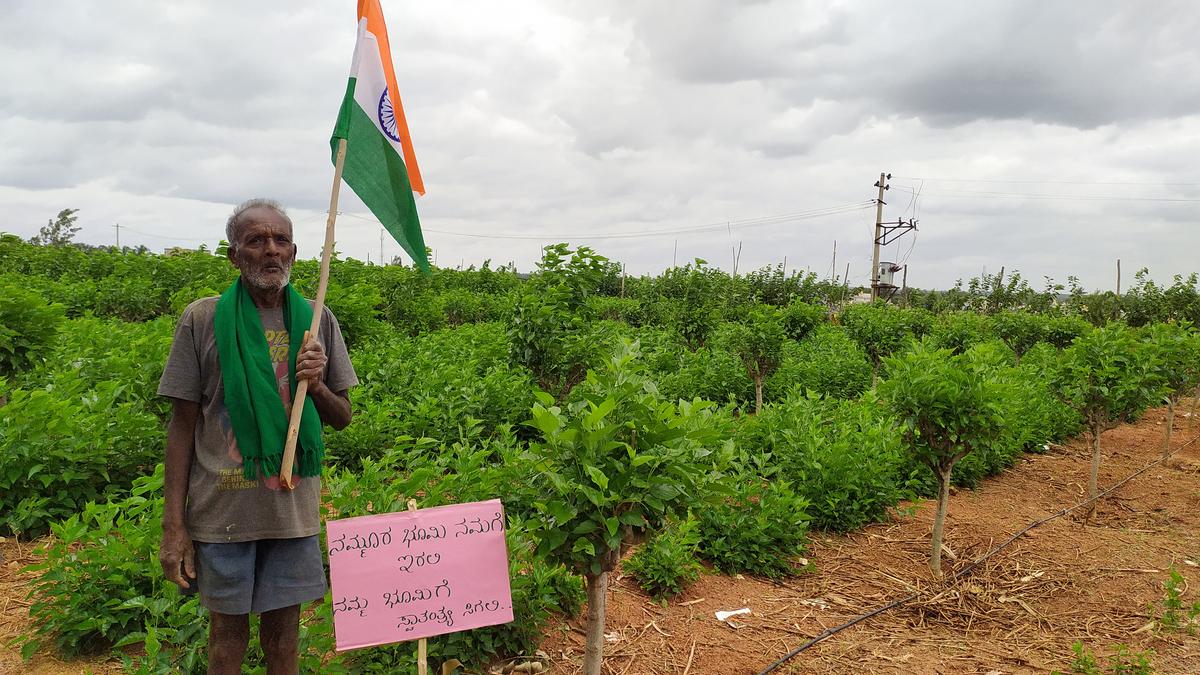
(229, 531)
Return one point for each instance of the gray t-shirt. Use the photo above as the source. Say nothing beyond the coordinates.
(222, 506)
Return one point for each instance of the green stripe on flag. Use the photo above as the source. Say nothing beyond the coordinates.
(378, 176)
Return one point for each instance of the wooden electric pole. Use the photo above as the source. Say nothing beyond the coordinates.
(882, 185)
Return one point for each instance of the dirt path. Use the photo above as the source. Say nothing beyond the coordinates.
(1018, 613)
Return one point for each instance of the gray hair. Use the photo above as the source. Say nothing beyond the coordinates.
(234, 222)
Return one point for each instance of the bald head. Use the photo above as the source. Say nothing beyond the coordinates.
(243, 214)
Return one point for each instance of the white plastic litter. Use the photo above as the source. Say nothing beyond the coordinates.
(726, 615)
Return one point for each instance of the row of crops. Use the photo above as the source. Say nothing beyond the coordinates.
(715, 420)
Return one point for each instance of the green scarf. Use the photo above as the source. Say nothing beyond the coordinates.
(252, 398)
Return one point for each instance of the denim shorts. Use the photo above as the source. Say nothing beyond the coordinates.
(258, 576)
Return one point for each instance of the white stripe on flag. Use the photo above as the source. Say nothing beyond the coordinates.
(371, 84)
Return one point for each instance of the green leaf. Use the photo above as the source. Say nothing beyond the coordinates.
(29, 649)
(584, 546)
(634, 518)
(597, 476)
(599, 412)
(585, 527)
(559, 511)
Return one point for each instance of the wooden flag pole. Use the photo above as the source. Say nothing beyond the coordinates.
(289, 448)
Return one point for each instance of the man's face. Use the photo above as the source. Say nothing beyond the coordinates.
(264, 252)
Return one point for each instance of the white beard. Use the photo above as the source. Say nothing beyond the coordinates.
(262, 283)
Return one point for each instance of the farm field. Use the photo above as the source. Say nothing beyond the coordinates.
(726, 338)
(665, 447)
(1068, 580)
(1065, 581)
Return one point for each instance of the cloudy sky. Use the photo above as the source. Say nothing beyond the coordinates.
(1050, 137)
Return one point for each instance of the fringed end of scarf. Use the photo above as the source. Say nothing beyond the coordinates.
(307, 463)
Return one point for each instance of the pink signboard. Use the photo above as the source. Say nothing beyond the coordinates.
(414, 574)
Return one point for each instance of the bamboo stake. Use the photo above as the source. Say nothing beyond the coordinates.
(422, 653)
(1192, 415)
(289, 448)
(1170, 428)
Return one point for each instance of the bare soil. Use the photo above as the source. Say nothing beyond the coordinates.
(1094, 580)
(1097, 580)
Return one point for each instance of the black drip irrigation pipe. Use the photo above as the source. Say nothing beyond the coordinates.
(830, 632)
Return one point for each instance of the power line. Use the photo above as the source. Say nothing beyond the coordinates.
(726, 225)
(988, 194)
(916, 204)
(1053, 182)
(163, 236)
(723, 225)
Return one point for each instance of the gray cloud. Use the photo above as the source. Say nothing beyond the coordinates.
(579, 119)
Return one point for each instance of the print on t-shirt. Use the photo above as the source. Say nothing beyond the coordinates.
(278, 344)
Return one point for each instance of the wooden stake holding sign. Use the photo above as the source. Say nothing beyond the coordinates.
(422, 645)
(289, 448)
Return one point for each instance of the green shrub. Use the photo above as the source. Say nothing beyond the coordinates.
(1121, 662)
(882, 330)
(800, 319)
(1034, 414)
(843, 457)
(185, 296)
(416, 314)
(79, 297)
(358, 311)
(958, 331)
(62, 448)
(620, 456)
(449, 384)
(129, 298)
(1020, 330)
(757, 340)
(761, 529)
(617, 459)
(1061, 331)
(464, 306)
(1022, 406)
(657, 312)
(667, 563)
(828, 362)
(1040, 368)
(709, 373)
(615, 309)
(547, 338)
(1108, 377)
(99, 583)
(27, 325)
(1174, 615)
(91, 352)
(950, 408)
(694, 300)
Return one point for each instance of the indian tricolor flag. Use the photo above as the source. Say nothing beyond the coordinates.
(380, 164)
